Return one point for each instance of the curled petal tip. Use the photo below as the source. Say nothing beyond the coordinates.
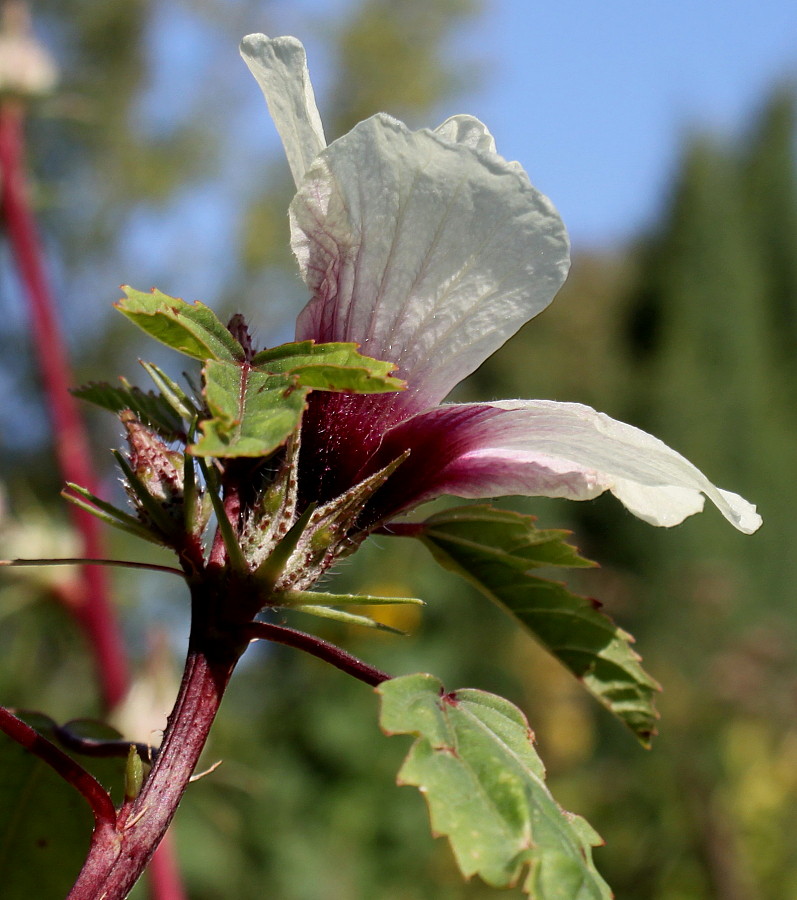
(740, 513)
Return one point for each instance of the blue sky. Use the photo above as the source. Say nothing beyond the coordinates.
(595, 98)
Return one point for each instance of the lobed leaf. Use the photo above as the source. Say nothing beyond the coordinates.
(475, 763)
(189, 328)
(330, 367)
(150, 408)
(495, 551)
(252, 412)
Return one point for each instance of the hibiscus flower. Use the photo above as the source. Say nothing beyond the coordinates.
(430, 250)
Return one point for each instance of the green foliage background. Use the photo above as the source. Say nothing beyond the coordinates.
(690, 334)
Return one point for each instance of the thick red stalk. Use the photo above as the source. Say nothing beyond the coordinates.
(118, 856)
(163, 873)
(92, 608)
(71, 446)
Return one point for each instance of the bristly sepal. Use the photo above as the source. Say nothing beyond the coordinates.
(274, 513)
(156, 484)
(332, 532)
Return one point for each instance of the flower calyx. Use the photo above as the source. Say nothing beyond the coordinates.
(288, 550)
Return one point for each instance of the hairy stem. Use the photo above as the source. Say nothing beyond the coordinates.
(118, 856)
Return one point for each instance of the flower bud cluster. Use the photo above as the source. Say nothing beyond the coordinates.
(156, 483)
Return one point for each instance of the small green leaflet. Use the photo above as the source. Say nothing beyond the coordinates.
(108, 513)
(152, 409)
(172, 393)
(189, 328)
(319, 598)
(347, 618)
(195, 330)
(254, 405)
(475, 763)
(252, 412)
(253, 409)
(330, 367)
(495, 550)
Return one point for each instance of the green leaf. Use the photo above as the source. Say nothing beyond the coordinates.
(150, 408)
(252, 412)
(507, 536)
(45, 824)
(475, 763)
(189, 328)
(495, 551)
(330, 367)
(318, 598)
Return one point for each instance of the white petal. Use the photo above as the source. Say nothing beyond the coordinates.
(466, 130)
(425, 251)
(544, 448)
(664, 506)
(280, 67)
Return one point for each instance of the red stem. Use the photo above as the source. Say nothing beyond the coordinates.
(316, 646)
(117, 857)
(72, 772)
(93, 611)
(164, 874)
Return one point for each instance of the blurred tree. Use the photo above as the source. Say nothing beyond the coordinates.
(92, 171)
(691, 336)
(712, 327)
(769, 187)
